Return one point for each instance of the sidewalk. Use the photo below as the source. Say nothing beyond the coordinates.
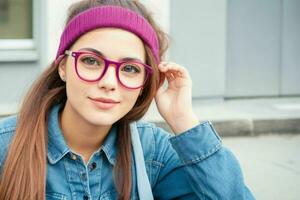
(270, 164)
(244, 116)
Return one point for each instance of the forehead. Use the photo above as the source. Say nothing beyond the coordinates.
(114, 43)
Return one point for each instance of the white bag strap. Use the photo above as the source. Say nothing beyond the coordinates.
(144, 187)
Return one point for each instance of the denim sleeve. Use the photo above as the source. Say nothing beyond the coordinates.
(197, 166)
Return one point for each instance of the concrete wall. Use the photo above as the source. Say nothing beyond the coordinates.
(198, 31)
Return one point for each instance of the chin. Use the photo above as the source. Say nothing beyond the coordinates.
(101, 119)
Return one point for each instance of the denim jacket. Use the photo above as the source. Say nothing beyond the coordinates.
(192, 165)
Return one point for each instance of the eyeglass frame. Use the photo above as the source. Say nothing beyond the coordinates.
(107, 63)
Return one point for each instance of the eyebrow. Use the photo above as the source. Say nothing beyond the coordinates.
(101, 54)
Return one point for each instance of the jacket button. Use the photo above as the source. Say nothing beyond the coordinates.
(74, 157)
(93, 166)
(83, 176)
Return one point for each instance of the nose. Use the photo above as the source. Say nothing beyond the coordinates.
(109, 81)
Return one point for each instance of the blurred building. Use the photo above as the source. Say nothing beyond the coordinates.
(233, 49)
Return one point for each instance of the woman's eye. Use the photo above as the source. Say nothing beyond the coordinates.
(131, 69)
(90, 61)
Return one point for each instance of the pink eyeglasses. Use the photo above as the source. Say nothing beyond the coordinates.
(91, 67)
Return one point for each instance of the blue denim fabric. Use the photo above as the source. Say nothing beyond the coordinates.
(192, 165)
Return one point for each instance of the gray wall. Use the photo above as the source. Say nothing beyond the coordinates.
(14, 79)
(253, 48)
(261, 53)
(198, 31)
(290, 57)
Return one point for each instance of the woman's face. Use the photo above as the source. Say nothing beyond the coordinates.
(115, 44)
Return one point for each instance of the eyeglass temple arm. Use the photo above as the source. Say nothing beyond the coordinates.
(68, 52)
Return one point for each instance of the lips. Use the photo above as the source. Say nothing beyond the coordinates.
(104, 103)
(104, 100)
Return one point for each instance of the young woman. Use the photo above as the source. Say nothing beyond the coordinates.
(78, 133)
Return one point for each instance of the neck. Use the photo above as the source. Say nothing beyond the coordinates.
(82, 137)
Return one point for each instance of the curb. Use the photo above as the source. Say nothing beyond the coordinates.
(250, 127)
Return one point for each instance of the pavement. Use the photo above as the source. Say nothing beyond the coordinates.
(270, 164)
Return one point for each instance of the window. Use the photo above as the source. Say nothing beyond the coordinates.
(16, 30)
(16, 19)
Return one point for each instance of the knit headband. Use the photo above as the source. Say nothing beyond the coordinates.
(108, 16)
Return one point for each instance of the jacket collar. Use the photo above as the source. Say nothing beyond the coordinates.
(109, 146)
(57, 147)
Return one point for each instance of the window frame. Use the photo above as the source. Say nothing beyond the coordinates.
(16, 50)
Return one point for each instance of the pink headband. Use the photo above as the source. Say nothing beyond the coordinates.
(108, 16)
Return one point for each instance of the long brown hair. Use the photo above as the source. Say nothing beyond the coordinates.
(24, 171)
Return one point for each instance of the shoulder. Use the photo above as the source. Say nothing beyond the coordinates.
(152, 128)
(155, 141)
(7, 130)
(8, 124)
(150, 131)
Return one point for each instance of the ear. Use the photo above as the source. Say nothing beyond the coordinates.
(62, 69)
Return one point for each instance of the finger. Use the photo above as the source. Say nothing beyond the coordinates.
(180, 69)
(170, 77)
(176, 73)
(177, 69)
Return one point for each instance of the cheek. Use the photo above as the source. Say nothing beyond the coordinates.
(76, 89)
(130, 97)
